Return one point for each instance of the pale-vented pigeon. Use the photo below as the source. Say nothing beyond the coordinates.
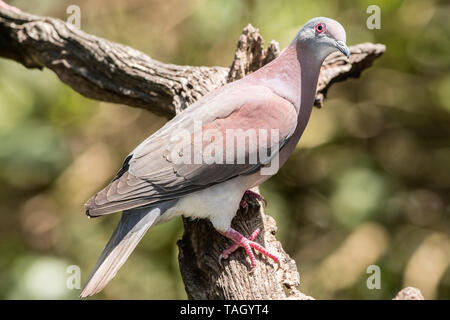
(159, 181)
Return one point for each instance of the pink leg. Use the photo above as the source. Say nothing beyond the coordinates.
(247, 244)
(243, 204)
(8, 7)
(252, 194)
(226, 253)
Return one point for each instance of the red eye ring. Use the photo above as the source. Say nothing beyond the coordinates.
(320, 28)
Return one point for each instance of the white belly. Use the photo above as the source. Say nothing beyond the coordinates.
(218, 203)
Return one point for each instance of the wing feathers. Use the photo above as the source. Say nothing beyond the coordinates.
(150, 175)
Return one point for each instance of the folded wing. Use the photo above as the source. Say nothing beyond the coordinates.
(171, 163)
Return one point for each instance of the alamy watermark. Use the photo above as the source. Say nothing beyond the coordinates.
(374, 280)
(374, 20)
(74, 279)
(74, 17)
(208, 146)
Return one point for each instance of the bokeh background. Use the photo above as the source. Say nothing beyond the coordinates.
(369, 183)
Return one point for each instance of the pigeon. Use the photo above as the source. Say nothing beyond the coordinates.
(194, 165)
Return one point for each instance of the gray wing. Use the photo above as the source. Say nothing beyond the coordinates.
(152, 173)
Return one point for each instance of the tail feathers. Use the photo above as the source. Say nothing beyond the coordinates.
(130, 230)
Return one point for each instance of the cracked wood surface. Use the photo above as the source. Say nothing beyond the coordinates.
(112, 72)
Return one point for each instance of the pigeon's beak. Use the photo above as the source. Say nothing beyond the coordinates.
(342, 47)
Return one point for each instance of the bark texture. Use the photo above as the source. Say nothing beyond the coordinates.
(409, 293)
(108, 71)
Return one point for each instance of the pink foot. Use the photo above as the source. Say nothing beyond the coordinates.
(8, 7)
(226, 253)
(243, 205)
(251, 194)
(247, 244)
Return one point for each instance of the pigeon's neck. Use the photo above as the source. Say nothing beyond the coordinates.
(296, 72)
(284, 76)
(310, 64)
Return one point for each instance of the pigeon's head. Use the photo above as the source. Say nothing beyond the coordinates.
(323, 36)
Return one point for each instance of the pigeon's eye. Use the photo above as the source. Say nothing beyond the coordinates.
(320, 28)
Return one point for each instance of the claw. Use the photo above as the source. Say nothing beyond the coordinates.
(226, 253)
(243, 205)
(257, 196)
(247, 244)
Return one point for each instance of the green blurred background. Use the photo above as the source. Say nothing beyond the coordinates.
(369, 183)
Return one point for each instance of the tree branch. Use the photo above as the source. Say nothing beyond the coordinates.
(107, 71)
(101, 69)
(409, 293)
(205, 278)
